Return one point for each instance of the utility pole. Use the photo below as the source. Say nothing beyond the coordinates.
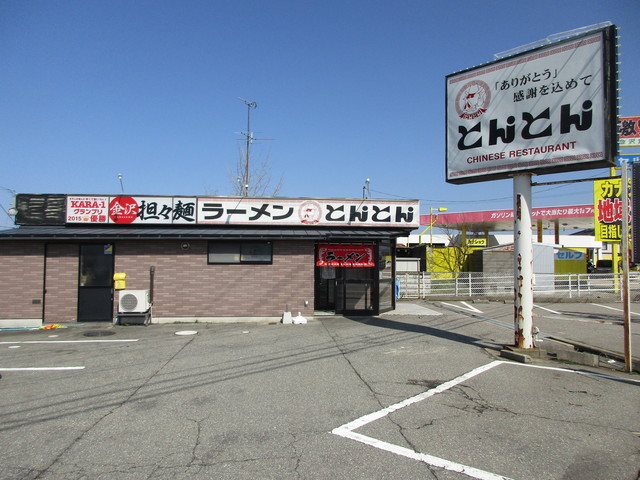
(249, 137)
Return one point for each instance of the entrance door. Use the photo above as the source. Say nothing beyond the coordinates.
(358, 297)
(95, 291)
(347, 290)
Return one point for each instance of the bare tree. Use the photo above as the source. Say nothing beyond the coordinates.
(454, 258)
(260, 182)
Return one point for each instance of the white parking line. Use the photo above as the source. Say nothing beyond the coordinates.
(421, 457)
(613, 308)
(37, 369)
(66, 341)
(547, 309)
(347, 430)
(41, 342)
(471, 308)
(418, 398)
(577, 372)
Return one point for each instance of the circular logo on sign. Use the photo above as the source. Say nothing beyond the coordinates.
(473, 99)
(310, 212)
(123, 210)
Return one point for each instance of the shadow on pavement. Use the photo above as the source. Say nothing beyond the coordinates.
(423, 329)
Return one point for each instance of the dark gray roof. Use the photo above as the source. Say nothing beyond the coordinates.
(133, 232)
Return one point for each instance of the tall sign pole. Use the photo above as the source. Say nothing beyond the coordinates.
(523, 261)
(626, 305)
(541, 109)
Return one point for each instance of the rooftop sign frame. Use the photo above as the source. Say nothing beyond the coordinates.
(138, 210)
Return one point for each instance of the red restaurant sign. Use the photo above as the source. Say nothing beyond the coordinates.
(345, 256)
(629, 131)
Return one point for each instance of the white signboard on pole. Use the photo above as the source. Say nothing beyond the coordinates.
(546, 110)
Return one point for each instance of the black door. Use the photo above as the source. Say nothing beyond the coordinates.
(347, 290)
(358, 291)
(95, 291)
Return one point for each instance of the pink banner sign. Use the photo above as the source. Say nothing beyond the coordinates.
(345, 256)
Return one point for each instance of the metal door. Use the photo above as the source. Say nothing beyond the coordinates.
(95, 286)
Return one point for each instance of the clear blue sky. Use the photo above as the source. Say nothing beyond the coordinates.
(348, 90)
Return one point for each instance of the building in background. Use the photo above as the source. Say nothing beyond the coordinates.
(572, 228)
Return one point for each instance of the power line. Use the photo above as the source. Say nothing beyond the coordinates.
(539, 193)
(430, 200)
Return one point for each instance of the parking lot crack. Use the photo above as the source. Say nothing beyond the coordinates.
(476, 402)
(110, 412)
(196, 444)
(345, 356)
(478, 405)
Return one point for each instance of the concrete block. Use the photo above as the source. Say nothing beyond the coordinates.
(581, 358)
(515, 356)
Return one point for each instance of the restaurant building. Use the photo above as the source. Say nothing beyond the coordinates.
(83, 258)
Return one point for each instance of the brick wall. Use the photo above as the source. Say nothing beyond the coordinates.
(61, 282)
(21, 280)
(186, 286)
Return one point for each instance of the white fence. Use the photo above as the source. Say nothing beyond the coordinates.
(473, 284)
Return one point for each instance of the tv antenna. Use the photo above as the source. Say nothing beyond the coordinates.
(12, 211)
(249, 140)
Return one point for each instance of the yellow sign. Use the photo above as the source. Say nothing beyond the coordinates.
(607, 208)
(476, 242)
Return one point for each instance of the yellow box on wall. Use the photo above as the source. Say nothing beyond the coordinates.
(119, 281)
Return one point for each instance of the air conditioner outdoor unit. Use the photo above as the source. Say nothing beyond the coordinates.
(134, 301)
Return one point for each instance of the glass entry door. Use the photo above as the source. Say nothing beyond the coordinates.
(347, 290)
(95, 290)
(357, 291)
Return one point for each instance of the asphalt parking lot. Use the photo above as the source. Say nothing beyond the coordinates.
(420, 393)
